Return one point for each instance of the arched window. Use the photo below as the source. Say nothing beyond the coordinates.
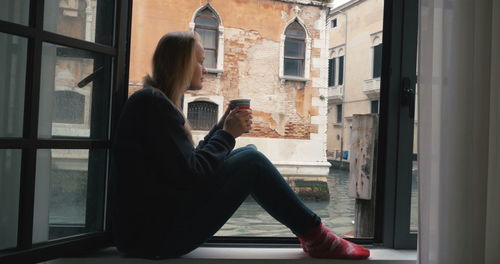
(69, 107)
(202, 115)
(295, 50)
(207, 25)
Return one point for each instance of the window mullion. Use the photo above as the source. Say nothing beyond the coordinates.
(30, 128)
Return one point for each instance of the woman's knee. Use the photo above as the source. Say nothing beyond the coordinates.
(245, 148)
(246, 156)
(253, 156)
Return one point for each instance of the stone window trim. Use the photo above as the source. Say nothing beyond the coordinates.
(220, 42)
(216, 99)
(337, 52)
(307, 60)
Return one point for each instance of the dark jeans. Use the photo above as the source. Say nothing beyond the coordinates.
(246, 172)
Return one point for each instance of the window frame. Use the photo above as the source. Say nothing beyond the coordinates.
(307, 54)
(392, 211)
(219, 69)
(336, 54)
(302, 51)
(215, 29)
(396, 121)
(340, 109)
(29, 143)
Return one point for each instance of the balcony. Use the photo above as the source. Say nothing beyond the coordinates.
(371, 88)
(336, 93)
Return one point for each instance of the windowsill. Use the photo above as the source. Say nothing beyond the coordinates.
(214, 71)
(235, 255)
(338, 124)
(294, 78)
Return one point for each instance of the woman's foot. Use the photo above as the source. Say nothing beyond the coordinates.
(320, 242)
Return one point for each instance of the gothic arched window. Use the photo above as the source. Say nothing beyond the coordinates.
(207, 25)
(295, 50)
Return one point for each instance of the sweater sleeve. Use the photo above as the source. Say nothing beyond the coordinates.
(173, 143)
(208, 136)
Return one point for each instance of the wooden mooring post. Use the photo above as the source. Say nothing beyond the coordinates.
(363, 172)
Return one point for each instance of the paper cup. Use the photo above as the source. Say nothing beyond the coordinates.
(242, 103)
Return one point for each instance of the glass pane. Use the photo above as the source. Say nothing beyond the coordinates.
(293, 67)
(90, 20)
(75, 89)
(294, 48)
(210, 59)
(292, 125)
(414, 173)
(12, 84)
(206, 18)
(295, 30)
(10, 169)
(352, 129)
(68, 198)
(16, 11)
(208, 38)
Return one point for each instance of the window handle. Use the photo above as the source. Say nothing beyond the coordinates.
(89, 78)
(409, 96)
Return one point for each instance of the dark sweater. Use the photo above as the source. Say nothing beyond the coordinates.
(154, 166)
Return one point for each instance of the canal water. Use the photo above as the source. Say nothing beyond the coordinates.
(337, 213)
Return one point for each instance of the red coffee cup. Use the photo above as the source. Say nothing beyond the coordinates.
(241, 103)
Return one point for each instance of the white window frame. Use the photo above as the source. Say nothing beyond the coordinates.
(307, 57)
(220, 43)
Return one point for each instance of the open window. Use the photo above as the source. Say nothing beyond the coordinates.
(62, 86)
(63, 82)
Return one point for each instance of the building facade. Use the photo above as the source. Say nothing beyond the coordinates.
(354, 69)
(354, 64)
(272, 52)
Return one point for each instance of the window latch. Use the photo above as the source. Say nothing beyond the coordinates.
(409, 96)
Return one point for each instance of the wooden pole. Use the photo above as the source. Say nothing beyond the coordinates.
(363, 172)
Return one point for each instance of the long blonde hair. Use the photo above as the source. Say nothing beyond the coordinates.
(172, 67)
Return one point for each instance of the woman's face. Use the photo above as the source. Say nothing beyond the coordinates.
(199, 69)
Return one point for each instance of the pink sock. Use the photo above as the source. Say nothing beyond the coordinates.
(320, 242)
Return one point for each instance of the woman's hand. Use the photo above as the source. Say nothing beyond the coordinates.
(223, 118)
(238, 121)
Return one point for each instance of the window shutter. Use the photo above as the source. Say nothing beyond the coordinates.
(374, 107)
(339, 113)
(341, 70)
(377, 61)
(331, 72)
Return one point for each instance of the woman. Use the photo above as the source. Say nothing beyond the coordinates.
(170, 197)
